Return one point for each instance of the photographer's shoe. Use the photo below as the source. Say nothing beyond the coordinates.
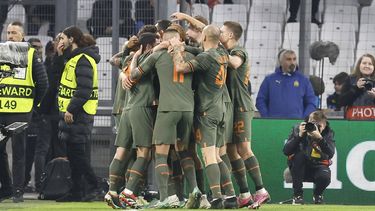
(5, 194)
(18, 196)
(318, 199)
(298, 200)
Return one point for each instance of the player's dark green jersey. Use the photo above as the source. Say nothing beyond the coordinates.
(121, 95)
(226, 96)
(239, 81)
(176, 92)
(212, 68)
(142, 93)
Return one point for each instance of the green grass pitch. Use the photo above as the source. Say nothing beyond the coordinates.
(34, 205)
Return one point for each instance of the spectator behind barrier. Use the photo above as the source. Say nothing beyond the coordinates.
(100, 24)
(212, 3)
(38, 15)
(286, 93)
(3, 14)
(310, 148)
(341, 82)
(360, 97)
(144, 13)
(293, 9)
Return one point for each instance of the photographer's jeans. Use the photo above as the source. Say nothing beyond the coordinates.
(303, 170)
(18, 153)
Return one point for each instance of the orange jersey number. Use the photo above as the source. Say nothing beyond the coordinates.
(177, 77)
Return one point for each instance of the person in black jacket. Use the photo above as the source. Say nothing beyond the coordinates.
(361, 92)
(17, 107)
(309, 148)
(78, 101)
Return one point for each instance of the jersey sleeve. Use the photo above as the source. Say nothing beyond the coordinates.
(199, 63)
(239, 53)
(148, 65)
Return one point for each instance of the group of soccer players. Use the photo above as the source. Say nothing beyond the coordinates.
(174, 95)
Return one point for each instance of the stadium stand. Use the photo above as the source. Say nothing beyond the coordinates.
(200, 9)
(264, 30)
(341, 14)
(104, 68)
(230, 12)
(267, 13)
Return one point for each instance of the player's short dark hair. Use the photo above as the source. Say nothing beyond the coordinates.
(235, 27)
(147, 28)
(179, 29)
(341, 78)
(163, 24)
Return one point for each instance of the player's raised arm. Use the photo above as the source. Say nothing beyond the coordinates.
(192, 21)
(135, 73)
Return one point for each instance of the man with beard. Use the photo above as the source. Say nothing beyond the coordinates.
(78, 101)
(286, 93)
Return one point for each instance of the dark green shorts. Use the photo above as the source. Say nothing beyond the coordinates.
(142, 124)
(209, 129)
(242, 126)
(124, 132)
(171, 125)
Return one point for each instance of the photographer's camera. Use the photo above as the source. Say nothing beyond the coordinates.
(369, 84)
(310, 126)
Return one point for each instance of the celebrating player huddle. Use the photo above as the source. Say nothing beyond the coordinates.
(176, 97)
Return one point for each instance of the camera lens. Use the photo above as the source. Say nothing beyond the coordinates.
(309, 127)
(368, 85)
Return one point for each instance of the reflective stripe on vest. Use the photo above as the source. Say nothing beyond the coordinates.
(17, 92)
(68, 85)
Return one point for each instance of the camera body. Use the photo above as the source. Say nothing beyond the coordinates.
(369, 84)
(310, 126)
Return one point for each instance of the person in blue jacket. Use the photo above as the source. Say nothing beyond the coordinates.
(286, 93)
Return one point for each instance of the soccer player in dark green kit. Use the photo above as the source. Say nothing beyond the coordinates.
(239, 150)
(174, 119)
(211, 66)
(124, 152)
(141, 115)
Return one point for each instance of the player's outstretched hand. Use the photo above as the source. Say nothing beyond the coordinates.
(178, 16)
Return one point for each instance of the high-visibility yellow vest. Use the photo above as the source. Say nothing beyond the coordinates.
(17, 92)
(68, 85)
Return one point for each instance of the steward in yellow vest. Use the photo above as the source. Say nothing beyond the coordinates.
(18, 95)
(78, 101)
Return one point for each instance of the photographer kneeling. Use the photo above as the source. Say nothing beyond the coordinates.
(309, 148)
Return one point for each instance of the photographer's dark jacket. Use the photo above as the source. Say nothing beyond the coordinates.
(355, 96)
(304, 144)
